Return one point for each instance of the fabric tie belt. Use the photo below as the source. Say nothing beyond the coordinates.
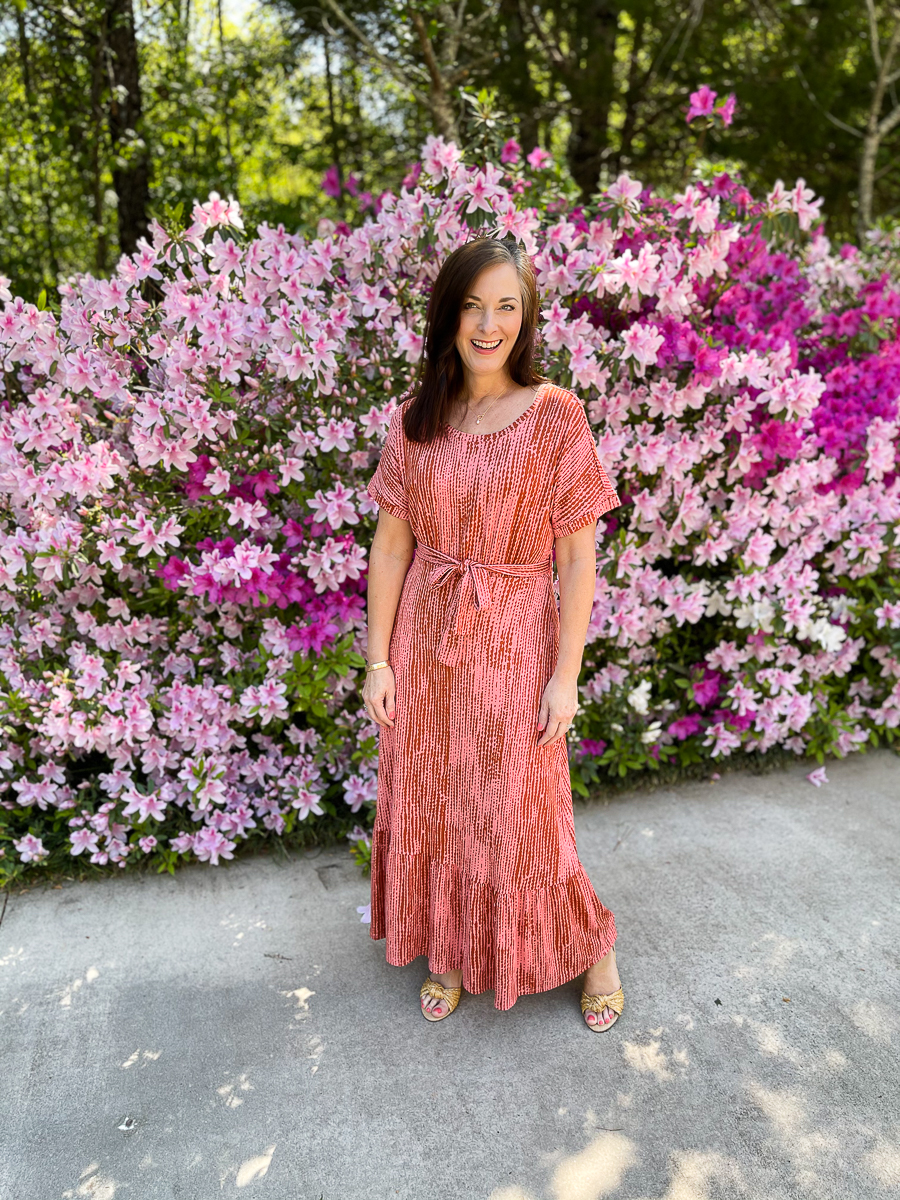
(470, 582)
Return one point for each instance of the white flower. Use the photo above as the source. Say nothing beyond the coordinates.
(842, 606)
(760, 615)
(830, 637)
(652, 733)
(718, 604)
(639, 699)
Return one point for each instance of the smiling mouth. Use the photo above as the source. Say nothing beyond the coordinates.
(485, 345)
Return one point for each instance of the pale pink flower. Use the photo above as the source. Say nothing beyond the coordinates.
(641, 342)
(242, 512)
(30, 848)
(625, 192)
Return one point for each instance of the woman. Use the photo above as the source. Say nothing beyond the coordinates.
(472, 670)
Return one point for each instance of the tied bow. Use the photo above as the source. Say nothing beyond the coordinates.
(472, 588)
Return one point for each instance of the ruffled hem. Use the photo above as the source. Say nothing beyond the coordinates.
(516, 944)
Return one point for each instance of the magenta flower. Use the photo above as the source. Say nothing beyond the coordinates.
(352, 184)
(410, 179)
(331, 184)
(702, 102)
(725, 108)
(685, 727)
(539, 158)
(592, 746)
(511, 151)
(706, 689)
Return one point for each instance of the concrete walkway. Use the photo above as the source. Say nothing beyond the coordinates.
(233, 1030)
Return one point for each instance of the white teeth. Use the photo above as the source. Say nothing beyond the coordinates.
(485, 345)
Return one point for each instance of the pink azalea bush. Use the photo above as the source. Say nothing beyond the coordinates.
(184, 451)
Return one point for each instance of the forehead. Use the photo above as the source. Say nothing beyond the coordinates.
(501, 279)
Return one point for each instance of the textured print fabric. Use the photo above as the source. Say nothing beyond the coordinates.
(474, 860)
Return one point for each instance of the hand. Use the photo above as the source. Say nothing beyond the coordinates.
(378, 696)
(557, 711)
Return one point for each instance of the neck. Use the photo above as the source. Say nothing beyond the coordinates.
(486, 387)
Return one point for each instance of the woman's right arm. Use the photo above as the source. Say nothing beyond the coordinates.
(389, 560)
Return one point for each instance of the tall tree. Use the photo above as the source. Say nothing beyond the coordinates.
(131, 158)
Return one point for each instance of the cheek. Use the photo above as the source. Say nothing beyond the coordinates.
(512, 327)
(467, 325)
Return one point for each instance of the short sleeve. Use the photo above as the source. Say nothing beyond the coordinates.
(582, 490)
(387, 487)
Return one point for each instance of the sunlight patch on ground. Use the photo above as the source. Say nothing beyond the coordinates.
(883, 1161)
(595, 1171)
(649, 1060)
(89, 976)
(875, 1020)
(150, 1055)
(807, 1148)
(16, 954)
(229, 1091)
(301, 995)
(779, 950)
(92, 1186)
(772, 1041)
(695, 1170)
(254, 1168)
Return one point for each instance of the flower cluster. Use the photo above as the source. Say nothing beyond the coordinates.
(184, 450)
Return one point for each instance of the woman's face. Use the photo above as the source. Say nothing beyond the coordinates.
(490, 320)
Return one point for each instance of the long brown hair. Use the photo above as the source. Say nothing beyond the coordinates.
(440, 379)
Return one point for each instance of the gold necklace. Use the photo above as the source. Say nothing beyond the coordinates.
(478, 420)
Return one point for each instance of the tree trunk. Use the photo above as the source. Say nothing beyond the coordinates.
(39, 145)
(589, 79)
(633, 95)
(515, 77)
(131, 167)
(439, 99)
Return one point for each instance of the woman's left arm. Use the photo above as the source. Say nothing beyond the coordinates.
(576, 565)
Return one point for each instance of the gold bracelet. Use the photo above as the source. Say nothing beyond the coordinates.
(375, 666)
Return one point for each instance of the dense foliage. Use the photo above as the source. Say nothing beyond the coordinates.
(184, 451)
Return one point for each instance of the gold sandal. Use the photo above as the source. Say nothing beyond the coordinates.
(596, 1004)
(449, 995)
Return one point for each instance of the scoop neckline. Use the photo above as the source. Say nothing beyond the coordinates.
(511, 425)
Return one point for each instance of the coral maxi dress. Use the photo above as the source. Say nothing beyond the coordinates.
(474, 860)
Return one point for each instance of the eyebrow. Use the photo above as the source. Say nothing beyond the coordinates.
(503, 300)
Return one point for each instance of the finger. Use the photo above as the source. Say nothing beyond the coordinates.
(555, 730)
(549, 734)
(381, 707)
